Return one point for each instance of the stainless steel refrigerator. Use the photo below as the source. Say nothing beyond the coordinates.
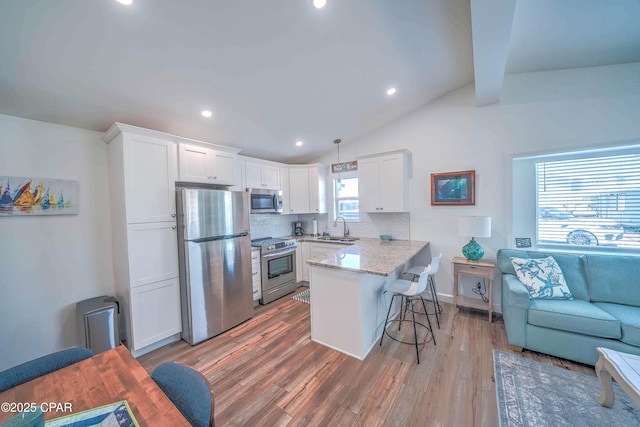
(214, 250)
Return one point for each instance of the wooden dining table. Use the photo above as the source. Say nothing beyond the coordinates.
(103, 379)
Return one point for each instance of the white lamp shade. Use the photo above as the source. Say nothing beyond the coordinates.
(475, 226)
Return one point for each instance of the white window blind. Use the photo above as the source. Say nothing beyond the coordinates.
(592, 201)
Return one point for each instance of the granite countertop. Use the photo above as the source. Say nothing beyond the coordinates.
(372, 256)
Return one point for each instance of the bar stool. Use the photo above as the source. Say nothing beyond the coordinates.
(415, 272)
(407, 290)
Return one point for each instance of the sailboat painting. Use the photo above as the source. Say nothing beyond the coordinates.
(37, 196)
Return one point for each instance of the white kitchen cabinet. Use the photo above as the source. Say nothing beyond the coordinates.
(154, 312)
(262, 175)
(205, 164)
(153, 252)
(240, 178)
(316, 252)
(298, 190)
(143, 168)
(383, 182)
(255, 274)
(317, 189)
(299, 265)
(148, 185)
(286, 193)
(307, 189)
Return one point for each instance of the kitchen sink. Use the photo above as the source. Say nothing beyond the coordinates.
(338, 239)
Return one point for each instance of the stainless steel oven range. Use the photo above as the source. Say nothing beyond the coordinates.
(278, 264)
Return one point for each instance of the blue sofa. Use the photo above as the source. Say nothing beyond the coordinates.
(604, 311)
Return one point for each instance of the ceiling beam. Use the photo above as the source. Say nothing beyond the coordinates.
(491, 22)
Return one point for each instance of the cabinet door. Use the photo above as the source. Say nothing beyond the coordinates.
(153, 252)
(150, 175)
(368, 186)
(155, 312)
(391, 183)
(304, 252)
(298, 190)
(299, 262)
(271, 177)
(253, 175)
(314, 191)
(195, 163)
(286, 191)
(223, 168)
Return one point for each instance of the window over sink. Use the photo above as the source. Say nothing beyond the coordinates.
(346, 202)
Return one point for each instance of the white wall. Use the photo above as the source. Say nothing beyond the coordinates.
(539, 112)
(48, 263)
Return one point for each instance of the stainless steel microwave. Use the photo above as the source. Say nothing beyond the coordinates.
(265, 201)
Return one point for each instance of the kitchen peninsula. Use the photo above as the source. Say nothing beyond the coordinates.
(348, 306)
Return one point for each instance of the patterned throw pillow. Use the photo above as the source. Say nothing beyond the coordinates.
(542, 277)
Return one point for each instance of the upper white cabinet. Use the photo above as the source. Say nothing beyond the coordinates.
(383, 182)
(307, 189)
(206, 164)
(149, 178)
(262, 175)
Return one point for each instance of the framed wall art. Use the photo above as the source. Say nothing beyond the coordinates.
(37, 196)
(453, 188)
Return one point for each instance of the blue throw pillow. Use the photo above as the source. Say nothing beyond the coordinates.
(542, 277)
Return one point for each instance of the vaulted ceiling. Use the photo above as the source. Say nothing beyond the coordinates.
(277, 72)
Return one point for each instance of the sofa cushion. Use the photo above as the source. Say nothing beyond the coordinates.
(629, 318)
(571, 264)
(576, 315)
(613, 278)
(542, 277)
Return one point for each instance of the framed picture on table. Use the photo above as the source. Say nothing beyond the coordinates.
(453, 188)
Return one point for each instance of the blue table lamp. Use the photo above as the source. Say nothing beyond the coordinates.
(474, 226)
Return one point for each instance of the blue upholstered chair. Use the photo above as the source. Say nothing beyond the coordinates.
(42, 366)
(189, 390)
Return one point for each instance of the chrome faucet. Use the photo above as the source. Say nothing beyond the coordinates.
(345, 232)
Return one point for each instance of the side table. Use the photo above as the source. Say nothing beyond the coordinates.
(480, 269)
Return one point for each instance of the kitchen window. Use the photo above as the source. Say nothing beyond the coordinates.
(588, 199)
(346, 203)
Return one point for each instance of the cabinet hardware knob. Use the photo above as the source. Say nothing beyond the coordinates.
(173, 227)
(173, 215)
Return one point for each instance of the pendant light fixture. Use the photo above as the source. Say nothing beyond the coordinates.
(337, 142)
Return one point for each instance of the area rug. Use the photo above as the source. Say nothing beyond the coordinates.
(302, 296)
(536, 394)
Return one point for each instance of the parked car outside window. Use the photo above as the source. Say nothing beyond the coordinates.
(558, 226)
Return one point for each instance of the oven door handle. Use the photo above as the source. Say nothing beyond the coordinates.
(275, 254)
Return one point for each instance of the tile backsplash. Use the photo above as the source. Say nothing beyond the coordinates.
(270, 225)
(370, 225)
(375, 224)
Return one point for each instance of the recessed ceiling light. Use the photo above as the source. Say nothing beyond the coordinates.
(299, 143)
(125, 2)
(391, 91)
(207, 113)
(319, 4)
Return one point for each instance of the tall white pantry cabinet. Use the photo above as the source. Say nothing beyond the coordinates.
(143, 171)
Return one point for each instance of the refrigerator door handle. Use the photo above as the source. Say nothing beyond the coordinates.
(228, 236)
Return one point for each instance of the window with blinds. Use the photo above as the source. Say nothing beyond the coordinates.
(592, 201)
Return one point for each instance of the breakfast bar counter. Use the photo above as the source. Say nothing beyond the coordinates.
(373, 256)
(348, 302)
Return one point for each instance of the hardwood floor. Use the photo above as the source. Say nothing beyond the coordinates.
(268, 372)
